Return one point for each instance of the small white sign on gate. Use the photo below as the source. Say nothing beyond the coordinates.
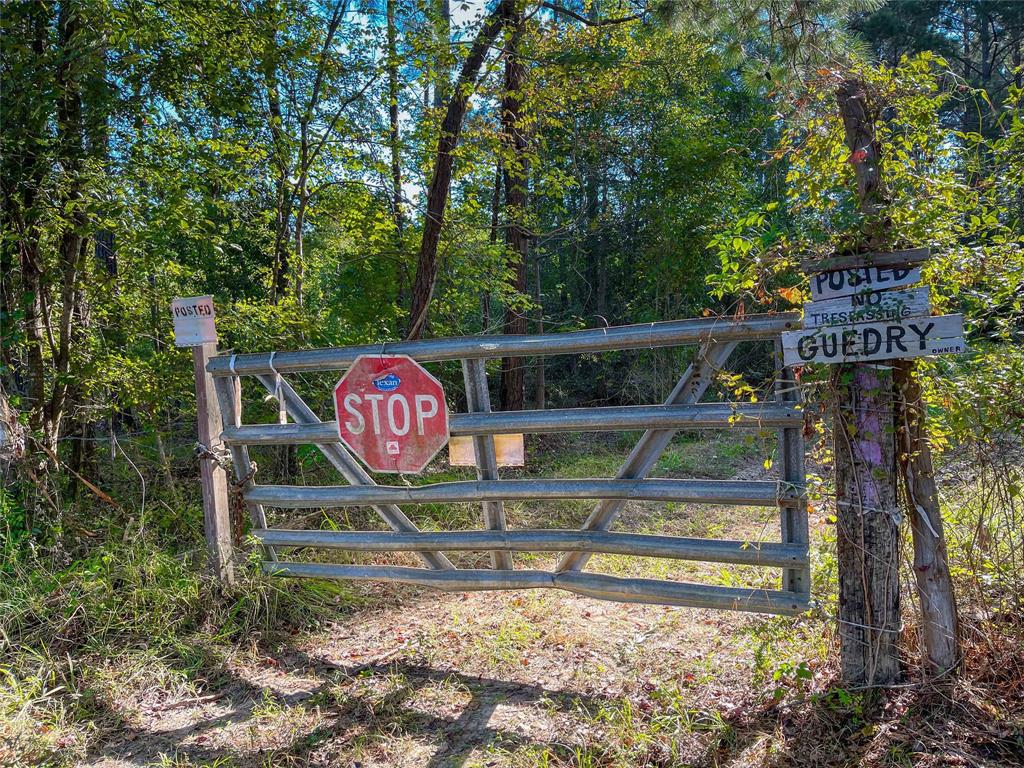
(194, 323)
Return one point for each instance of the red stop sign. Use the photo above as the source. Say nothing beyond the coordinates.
(391, 413)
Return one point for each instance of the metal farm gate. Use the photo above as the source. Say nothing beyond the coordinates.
(717, 338)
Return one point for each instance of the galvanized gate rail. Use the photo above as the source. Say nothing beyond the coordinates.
(682, 410)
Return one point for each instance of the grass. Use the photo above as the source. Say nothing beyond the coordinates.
(83, 646)
(128, 637)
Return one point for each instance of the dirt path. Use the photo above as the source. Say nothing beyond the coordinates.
(534, 679)
(468, 679)
(408, 677)
(541, 678)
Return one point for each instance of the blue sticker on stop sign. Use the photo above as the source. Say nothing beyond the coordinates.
(388, 383)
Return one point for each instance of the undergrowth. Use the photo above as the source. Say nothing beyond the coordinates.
(133, 602)
(130, 609)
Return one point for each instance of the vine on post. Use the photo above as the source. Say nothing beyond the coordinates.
(880, 439)
(867, 508)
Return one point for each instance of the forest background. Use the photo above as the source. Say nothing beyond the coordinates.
(352, 172)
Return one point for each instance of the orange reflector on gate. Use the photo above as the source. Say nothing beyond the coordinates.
(509, 448)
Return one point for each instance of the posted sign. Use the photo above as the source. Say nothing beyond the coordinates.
(867, 313)
(391, 413)
(847, 282)
(194, 323)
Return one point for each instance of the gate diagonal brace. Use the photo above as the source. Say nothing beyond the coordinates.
(349, 468)
(689, 390)
(478, 401)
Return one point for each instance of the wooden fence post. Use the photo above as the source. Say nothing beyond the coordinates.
(912, 450)
(867, 514)
(939, 619)
(216, 514)
(867, 508)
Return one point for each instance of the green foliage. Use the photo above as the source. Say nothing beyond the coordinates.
(659, 137)
(975, 413)
(933, 198)
(135, 594)
(780, 43)
(672, 170)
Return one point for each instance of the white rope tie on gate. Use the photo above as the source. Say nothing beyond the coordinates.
(282, 416)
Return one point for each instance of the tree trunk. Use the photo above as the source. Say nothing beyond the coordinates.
(485, 296)
(96, 100)
(939, 617)
(395, 145)
(867, 509)
(284, 198)
(77, 408)
(393, 132)
(34, 323)
(539, 385)
(165, 461)
(440, 182)
(596, 274)
(300, 217)
(280, 162)
(71, 71)
(985, 62)
(600, 258)
(513, 369)
(868, 536)
(1018, 80)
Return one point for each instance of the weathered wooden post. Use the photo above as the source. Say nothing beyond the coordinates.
(931, 570)
(862, 313)
(859, 316)
(867, 513)
(867, 508)
(939, 619)
(194, 327)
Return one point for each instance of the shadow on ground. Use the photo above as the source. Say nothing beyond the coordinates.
(288, 707)
(338, 720)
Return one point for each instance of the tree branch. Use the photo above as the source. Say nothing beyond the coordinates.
(561, 10)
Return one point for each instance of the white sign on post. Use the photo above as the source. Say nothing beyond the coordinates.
(847, 282)
(859, 315)
(193, 321)
(868, 307)
(909, 337)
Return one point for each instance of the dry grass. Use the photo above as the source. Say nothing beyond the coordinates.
(297, 674)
